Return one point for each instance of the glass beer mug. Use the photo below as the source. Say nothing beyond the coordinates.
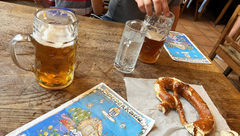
(157, 31)
(54, 37)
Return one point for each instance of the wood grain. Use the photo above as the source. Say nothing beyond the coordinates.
(22, 100)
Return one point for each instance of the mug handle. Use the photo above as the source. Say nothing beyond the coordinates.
(12, 43)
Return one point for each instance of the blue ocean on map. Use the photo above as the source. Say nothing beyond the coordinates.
(180, 48)
(93, 115)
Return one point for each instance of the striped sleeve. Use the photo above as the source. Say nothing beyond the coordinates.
(80, 7)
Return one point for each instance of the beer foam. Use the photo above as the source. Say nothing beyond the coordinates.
(155, 36)
(57, 36)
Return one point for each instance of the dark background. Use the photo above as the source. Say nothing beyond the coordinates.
(215, 7)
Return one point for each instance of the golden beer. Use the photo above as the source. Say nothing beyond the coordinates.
(158, 28)
(54, 67)
(54, 37)
(151, 48)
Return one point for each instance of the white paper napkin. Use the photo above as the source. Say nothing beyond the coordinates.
(140, 94)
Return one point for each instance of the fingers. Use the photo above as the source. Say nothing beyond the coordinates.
(141, 5)
(160, 6)
(145, 6)
(157, 7)
(165, 8)
(148, 7)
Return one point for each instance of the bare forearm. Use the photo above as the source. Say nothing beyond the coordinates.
(97, 6)
(235, 28)
(43, 3)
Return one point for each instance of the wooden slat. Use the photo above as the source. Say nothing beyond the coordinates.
(228, 59)
(223, 11)
(225, 32)
(233, 43)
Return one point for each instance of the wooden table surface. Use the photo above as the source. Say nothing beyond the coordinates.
(22, 100)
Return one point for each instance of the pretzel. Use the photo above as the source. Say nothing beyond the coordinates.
(204, 124)
(228, 133)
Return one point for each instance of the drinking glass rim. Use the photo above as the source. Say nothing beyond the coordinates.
(75, 20)
(170, 16)
(133, 29)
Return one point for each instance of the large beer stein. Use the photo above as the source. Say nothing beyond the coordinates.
(54, 38)
(157, 31)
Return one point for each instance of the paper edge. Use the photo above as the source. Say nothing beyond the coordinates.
(175, 58)
(70, 102)
(215, 109)
(50, 113)
(152, 121)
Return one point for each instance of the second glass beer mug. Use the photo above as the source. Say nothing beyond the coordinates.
(54, 37)
(157, 31)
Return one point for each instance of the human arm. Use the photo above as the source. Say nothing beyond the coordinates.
(235, 27)
(97, 6)
(42, 3)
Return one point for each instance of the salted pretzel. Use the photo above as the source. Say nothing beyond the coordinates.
(204, 124)
(228, 133)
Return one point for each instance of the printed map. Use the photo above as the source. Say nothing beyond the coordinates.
(97, 112)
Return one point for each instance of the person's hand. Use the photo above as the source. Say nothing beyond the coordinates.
(146, 6)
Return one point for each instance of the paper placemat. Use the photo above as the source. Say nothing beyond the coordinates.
(98, 111)
(181, 48)
(140, 94)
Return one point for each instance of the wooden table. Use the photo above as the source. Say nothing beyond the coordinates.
(22, 100)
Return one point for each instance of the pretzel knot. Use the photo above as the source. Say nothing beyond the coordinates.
(205, 122)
